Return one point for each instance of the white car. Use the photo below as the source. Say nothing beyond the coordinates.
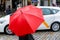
(51, 16)
(4, 22)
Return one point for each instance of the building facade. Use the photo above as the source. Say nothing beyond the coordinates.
(4, 4)
(58, 2)
(13, 3)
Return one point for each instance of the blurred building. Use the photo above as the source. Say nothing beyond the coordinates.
(2, 5)
(13, 3)
(58, 2)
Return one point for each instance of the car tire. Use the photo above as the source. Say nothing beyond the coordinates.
(55, 27)
(7, 31)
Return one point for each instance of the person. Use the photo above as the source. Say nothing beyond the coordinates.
(26, 37)
(19, 5)
(35, 2)
(29, 37)
(8, 10)
(15, 5)
(54, 4)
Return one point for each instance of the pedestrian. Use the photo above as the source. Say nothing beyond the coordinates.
(29, 37)
(26, 37)
(54, 4)
(15, 5)
(35, 2)
(8, 10)
(19, 5)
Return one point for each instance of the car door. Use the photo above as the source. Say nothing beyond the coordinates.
(48, 17)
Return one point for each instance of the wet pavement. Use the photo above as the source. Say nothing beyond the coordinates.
(40, 35)
(48, 35)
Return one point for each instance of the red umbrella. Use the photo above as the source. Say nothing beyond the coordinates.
(26, 20)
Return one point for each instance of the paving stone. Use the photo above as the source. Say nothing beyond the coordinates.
(37, 36)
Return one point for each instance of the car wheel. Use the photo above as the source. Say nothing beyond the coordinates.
(55, 27)
(7, 31)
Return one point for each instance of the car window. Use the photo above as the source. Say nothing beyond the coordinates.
(55, 10)
(46, 11)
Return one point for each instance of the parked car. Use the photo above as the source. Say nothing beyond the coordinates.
(51, 16)
(4, 22)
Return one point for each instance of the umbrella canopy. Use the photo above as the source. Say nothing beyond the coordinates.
(26, 20)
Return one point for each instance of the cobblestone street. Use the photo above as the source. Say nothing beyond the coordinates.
(47, 35)
(43, 35)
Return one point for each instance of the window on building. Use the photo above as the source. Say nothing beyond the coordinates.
(2, 5)
(42, 2)
(58, 2)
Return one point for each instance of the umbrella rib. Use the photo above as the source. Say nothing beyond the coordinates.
(30, 15)
(33, 15)
(26, 20)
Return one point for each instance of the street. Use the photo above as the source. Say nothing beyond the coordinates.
(40, 35)
(47, 35)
